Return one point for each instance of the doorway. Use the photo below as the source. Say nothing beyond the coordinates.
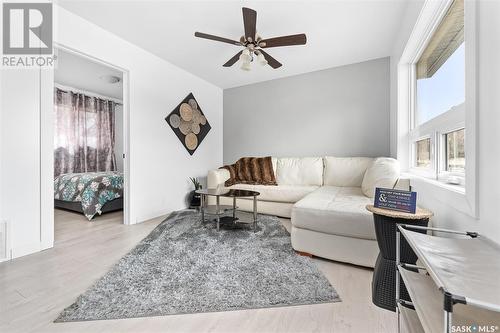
(90, 142)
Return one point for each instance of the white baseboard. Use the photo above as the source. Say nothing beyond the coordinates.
(151, 216)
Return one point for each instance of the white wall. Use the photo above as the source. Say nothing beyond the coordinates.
(406, 26)
(82, 73)
(488, 77)
(159, 164)
(341, 111)
(20, 160)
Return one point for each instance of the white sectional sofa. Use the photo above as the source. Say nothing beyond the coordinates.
(325, 197)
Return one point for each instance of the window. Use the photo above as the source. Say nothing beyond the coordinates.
(455, 151)
(423, 153)
(437, 131)
(442, 91)
(447, 120)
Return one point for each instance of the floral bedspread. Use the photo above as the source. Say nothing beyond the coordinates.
(92, 189)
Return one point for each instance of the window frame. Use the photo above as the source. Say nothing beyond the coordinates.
(443, 173)
(462, 198)
(436, 129)
(423, 171)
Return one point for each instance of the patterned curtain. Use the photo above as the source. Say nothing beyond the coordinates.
(84, 139)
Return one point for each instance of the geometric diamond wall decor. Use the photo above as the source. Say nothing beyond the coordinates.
(189, 123)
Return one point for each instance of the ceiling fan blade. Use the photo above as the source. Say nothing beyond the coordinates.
(270, 60)
(299, 39)
(233, 60)
(217, 38)
(250, 22)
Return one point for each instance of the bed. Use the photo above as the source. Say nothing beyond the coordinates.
(89, 193)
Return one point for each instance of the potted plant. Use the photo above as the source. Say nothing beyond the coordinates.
(195, 200)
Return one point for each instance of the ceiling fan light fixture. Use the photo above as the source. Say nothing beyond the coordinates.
(245, 56)
(245, 66)
(111, 79)
(261, 59)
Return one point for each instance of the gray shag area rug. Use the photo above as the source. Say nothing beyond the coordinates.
(184, 266)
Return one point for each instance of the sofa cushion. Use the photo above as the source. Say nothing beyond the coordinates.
(300, 171)
(280, 193)
(384, 172)
(336, 211)
(345, 171)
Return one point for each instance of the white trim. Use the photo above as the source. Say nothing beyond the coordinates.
(47, 161)
(430, 16)
(8, 249)
(126, 147)
(88, 93)
(471, 107)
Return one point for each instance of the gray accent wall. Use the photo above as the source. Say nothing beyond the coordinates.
(341, 111)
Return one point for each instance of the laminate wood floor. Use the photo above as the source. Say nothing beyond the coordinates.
(35, 288)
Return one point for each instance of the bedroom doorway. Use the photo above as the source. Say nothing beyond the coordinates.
(90, 140)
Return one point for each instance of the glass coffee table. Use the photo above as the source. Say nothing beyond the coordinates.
(221, 211)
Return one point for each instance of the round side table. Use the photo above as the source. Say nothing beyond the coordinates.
(384, 274)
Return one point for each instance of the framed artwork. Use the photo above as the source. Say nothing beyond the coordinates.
(189, 123)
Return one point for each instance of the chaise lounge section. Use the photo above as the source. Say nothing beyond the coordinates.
(325, 197)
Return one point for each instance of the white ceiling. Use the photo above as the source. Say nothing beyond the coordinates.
(81, 73)
(338, 32)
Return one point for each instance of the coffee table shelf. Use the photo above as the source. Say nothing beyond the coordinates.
(220, 211)
(223, 209)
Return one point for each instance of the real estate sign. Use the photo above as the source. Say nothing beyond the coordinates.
(403, 201)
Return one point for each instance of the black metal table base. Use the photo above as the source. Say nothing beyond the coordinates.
(384, 283)
(384, 274)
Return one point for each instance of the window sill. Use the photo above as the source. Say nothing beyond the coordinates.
(434, 190)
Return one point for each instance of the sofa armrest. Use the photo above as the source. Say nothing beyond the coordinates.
(403, 184)
(217, 178)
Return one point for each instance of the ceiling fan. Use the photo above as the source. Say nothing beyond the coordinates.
(254, 44)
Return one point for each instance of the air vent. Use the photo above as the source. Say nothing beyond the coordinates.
(4, 245)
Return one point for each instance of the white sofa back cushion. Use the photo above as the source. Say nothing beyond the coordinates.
(274, 161)
(299, 171)
(345, 171)
(384, 172)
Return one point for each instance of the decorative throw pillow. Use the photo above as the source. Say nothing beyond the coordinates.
(251, 170)
(384, 172)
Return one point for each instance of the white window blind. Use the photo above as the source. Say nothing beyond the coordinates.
(448, 37)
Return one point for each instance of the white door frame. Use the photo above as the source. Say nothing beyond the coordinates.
(47, 218)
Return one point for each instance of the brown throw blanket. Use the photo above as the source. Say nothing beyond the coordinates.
(251, 170)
